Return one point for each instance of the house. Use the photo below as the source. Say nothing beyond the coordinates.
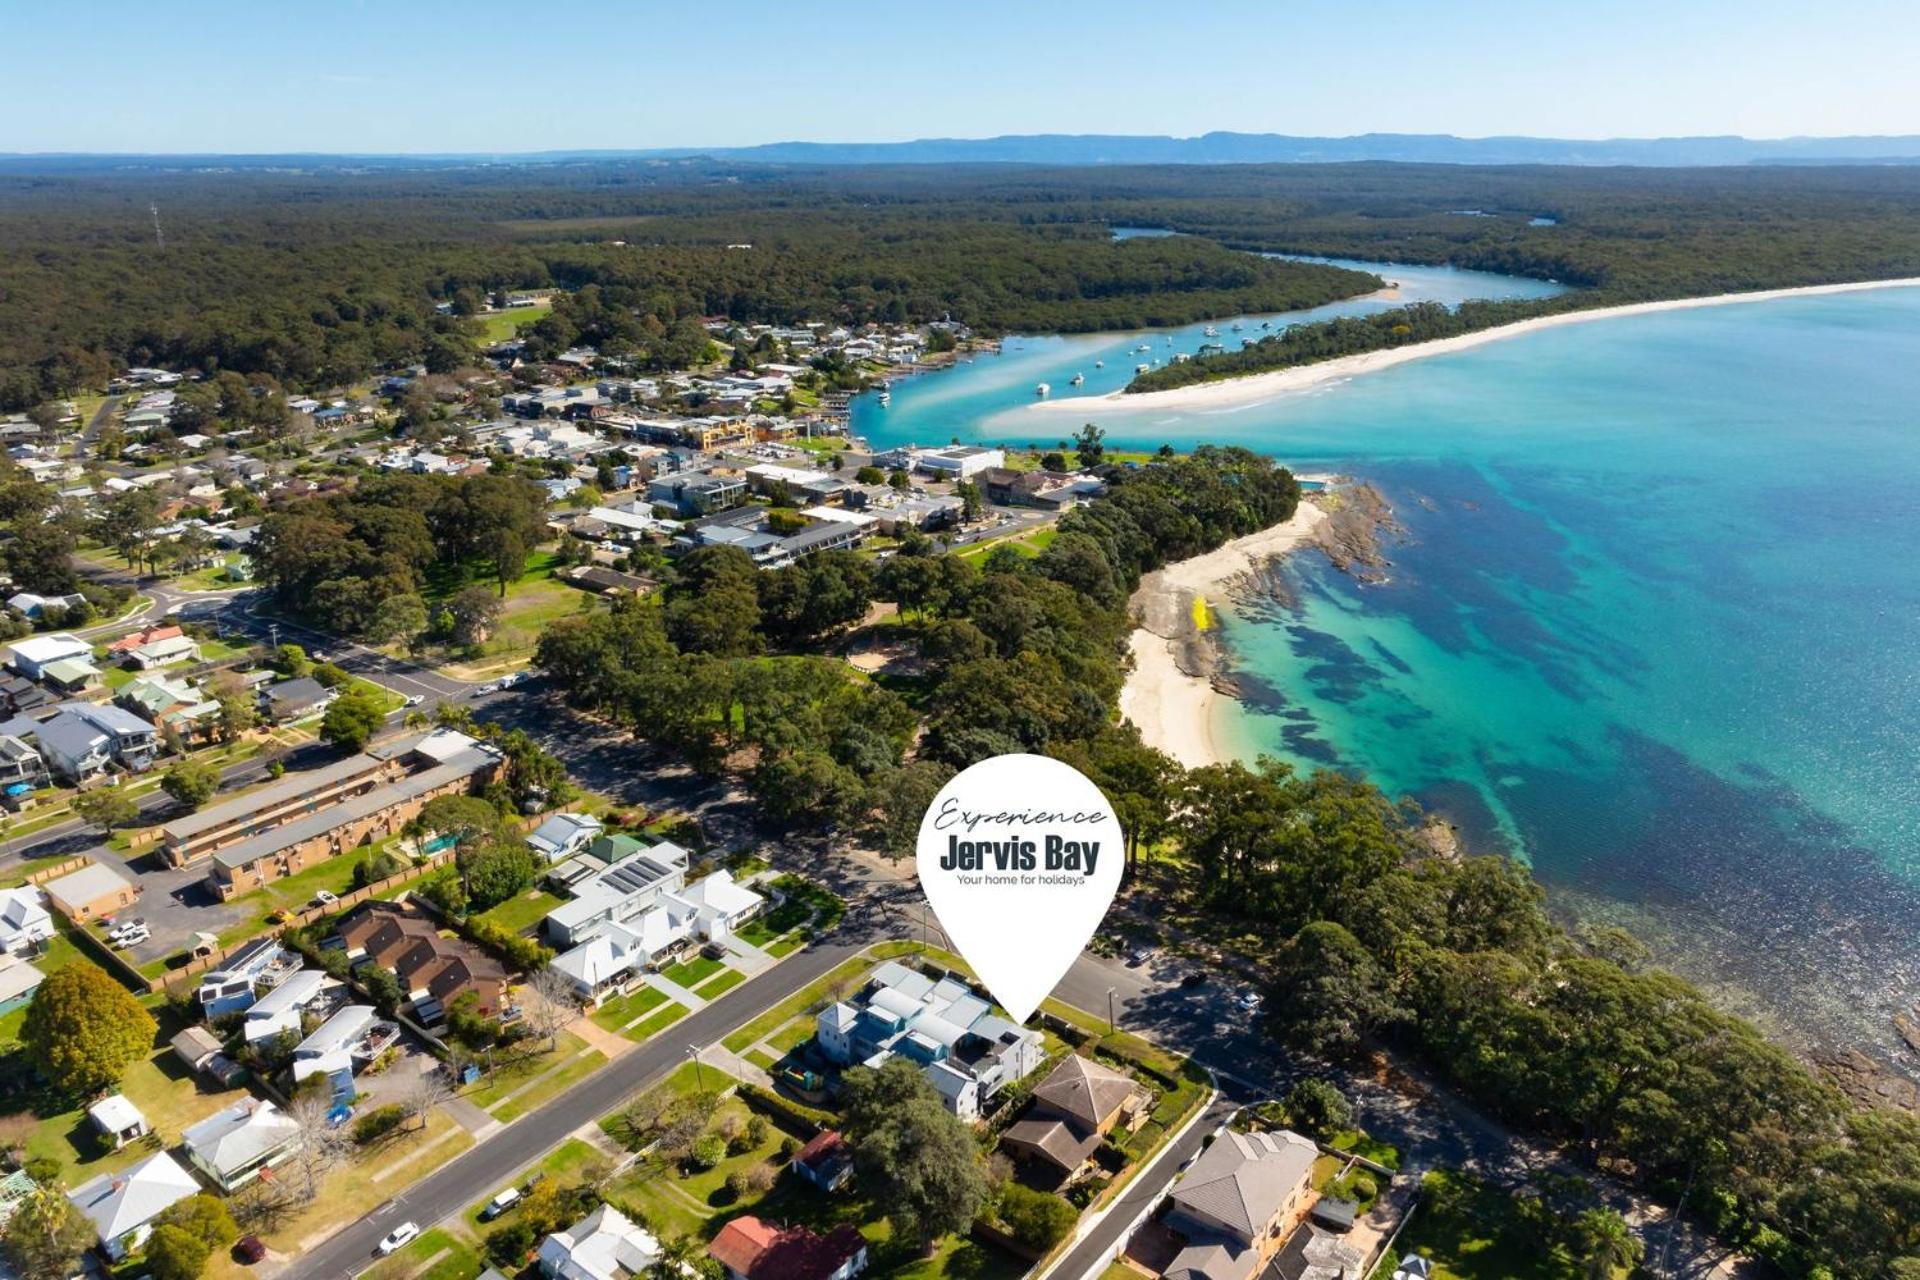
(623, 891)
(329, 1050)
(117, 1120)
(31, 656)
(232, 988)
(123, 1205)
(278, 1012)
(160, 653)
(826, 1161)
(70, 675)
(21, 764)
(233, 1146)
(132, 741)
(1076, 1106)
(31, 605)
(752, 1249)
(18, 981)
(562, 835)
(93, 891)
(720, 905)
(200, 1050)
(617, 954)
(25, 922)
(967, 1052)
(74, 748)
(604, 1245)
(296, 699)
(1237, 1201)
(432, 970)
(1417, 1267)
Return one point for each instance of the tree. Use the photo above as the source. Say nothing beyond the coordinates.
(869, 474)
(83, 1029)
(205, 1216)
(1329, 992)
(238, 710)
(1089, 446)
(918, 1159)
(191, 782)
(352, 719)
(175, 1254)
(494, 869)
(105, 808)
(550, 1003)
(472, 613)
(1034, 1218)
(398, 619)
(422, 1091)
(46, 1236)
(1317, 1108)
(972, 501)
(1053, 460)
(465, 818)
(1605, 1244)
(323, 1145)
(904, 795)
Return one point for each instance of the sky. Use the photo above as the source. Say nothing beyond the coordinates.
(409, 76)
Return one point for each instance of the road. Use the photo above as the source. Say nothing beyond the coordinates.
(483, 1169)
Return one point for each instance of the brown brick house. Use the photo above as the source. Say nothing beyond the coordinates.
(429, 966)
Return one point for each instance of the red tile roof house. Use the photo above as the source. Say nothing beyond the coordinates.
(750, 1249)
(826, 1161)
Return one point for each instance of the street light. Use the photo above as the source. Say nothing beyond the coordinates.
(699, 1074)
(1110, 1027)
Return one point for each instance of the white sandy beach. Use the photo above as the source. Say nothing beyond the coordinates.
(1255, 387)
(1176, 711)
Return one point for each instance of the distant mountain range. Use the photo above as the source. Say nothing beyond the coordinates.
(1276, 148)
(1112, 149)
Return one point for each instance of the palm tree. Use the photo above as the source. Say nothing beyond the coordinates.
(1607, 1246)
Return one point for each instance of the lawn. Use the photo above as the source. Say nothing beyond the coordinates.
(533, 600)
(163, 1089)
(1029, 545)
(690, 973)
(720, 985)
(616, 1013)
(522, 912)
(840, 980)
(498, 326)
(660, 1021)
(517, 1085)
(787, 945)
(1357, 1143)
(1473, 1230)
(452, 1259)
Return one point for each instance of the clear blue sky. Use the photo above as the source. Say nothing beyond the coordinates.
(423, 75)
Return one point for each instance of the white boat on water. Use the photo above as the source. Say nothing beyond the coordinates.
(1077, 379)
(1099, 364)
(1141, 368)
(1237, 326)
(1042, 389)
(1211, 331)
(886, 398)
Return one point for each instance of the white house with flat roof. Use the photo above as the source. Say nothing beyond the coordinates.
(117, 1120)
(31, 656)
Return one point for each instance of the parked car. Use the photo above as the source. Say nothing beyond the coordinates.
(122, 928)
(500, 1204)
(1139, 956)
(415, 700)
(1194, 979)
(398, 1238)
(508, 681)
(248, 1250)
(481, 691)
(325, 898)
(132, 938)
(1250, 1001)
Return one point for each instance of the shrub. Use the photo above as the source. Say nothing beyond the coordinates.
(508, 1247)
(708, 1150)
(1034, 1218)
(757, 1130)
(738, 1184)
(793, 1116)
(378, 1123)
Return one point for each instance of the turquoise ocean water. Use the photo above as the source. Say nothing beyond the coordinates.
(1654, 622)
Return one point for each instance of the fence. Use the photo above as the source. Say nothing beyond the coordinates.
(306, 915)
(54, 872)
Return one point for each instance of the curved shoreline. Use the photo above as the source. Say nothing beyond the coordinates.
(1253, 388)
(1169, 694)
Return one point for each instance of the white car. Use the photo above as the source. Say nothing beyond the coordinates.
(500, 1204)
(136, 925)
(416, 700)
(398, 1237)
(132, 938)
(482, 691)
(508, 681)
(325, 898)
(1251, 1000)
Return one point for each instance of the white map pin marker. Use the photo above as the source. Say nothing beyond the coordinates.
(1020, 857)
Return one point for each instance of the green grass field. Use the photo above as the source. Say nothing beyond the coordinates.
(691, 973)
(1475, 1231)
(498, 326)
(719, 985)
